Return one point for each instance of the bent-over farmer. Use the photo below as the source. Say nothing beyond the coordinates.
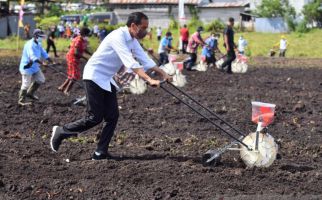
(116, 50)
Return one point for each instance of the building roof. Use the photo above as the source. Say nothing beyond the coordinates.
(225, 4)
(94, 2)
(190, 2)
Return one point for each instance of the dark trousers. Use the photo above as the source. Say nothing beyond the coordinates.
(211, 60)
(184, 46)
(282, 52)
(163, 59)
(188, 64)
(101, 105)
(50, 43)
(231, 56)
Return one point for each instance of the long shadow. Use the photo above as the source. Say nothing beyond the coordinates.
(144, 157)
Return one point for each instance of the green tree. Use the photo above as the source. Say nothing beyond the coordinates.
(278, 8)
(313, 11)
(275, 8)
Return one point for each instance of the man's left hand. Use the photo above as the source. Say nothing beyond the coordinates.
(167, 77)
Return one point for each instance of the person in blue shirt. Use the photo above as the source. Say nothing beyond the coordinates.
(102, 33)
(32, 76)
(208, 51)
(164, 48)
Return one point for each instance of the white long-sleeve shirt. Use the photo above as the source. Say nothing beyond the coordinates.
(117, 49)
(283, 44)
(242, 44)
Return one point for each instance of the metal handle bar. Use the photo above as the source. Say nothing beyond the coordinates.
(214, 114)
(211, 112)
(205, 117)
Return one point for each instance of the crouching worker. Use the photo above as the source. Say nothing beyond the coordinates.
(116, 50)
(193, 44)
(77, 47)
(164, 48)
(32, 76)
(208, 51)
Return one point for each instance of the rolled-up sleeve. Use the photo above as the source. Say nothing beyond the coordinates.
(124, 53)
(142, 57)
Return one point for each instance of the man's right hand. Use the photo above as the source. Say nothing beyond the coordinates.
(153, 82)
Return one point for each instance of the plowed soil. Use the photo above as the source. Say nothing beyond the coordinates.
(159, 142)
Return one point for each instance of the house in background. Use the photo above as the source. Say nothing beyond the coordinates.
(222, 10)
(159, 12)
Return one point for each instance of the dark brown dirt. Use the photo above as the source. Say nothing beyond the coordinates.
(159, 141)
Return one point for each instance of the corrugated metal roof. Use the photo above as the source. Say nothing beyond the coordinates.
(190, 2)
(225, 5)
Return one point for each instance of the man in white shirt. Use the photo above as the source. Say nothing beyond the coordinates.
(159, 33)
(61, 29)
(283, 46)
(95, 30)
(242, 43)
(118, 49)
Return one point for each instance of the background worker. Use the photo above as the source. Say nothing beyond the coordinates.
(77, 47)
(283, 46)
(159, 33)
(118, 49)
(164, 48)
(229, 45)
(32, 76)
(184, 37)
(208, 51)
(51, 40)
(192, 48)
(242, 44)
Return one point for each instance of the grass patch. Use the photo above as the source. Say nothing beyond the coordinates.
(306, 45)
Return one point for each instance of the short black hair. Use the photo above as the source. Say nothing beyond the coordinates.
(85, 31)
(185, 25)
(200, 28)
(168, 33)
(136, 18)
(231, 19)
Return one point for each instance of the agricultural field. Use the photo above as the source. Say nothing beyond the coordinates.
(159, 142)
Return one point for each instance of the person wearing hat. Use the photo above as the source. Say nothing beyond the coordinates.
(193, 44)
(120, 49)
(165, 47)
(283, 46)
(229, 45)
(32, 76)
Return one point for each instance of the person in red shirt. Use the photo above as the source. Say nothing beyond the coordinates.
(184, 36)
(77, 47)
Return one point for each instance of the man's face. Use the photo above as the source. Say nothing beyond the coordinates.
(140, 31)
